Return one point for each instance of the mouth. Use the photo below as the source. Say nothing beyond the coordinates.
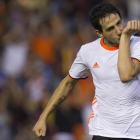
(119, 37)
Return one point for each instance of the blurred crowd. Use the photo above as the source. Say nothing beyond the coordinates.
(39, 40)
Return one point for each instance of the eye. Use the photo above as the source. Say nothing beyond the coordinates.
(119, 22)
(109, 29)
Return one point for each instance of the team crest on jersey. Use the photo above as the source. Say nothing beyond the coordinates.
(96, 65)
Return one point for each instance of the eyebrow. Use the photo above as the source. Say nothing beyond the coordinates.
(113, 26)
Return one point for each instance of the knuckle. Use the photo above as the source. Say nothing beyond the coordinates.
(37, 135)
(129, 22)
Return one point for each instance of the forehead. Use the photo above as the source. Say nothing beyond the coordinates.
(109, 20)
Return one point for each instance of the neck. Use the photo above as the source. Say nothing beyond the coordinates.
(109, 44)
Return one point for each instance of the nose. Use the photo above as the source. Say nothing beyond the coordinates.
(118, 31)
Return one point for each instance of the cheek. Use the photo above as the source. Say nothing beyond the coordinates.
(109, 35)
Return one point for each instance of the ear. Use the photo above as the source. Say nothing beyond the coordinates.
(98, 33)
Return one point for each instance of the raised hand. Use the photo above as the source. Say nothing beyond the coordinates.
(131, 28)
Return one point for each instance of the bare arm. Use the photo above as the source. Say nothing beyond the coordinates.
(127, 67)
(60, 94)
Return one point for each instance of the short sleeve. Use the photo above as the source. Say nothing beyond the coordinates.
(135, 50)
(78, 69)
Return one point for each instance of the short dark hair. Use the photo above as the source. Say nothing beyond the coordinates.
(100, 11)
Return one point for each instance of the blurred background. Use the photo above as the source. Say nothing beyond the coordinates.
(39, 40)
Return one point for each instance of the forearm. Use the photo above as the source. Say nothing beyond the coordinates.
(58, 97)
(125, 64)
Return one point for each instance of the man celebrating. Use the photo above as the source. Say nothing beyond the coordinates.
(114, 62)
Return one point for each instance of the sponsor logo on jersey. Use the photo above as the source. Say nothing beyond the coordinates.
(96, 65)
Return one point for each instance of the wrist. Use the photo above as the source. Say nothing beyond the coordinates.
(124, 41)
(43, 117)
(125, 35)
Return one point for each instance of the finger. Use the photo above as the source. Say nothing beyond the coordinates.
(43, 133)
(136, 24)
(129, 24)
(132, 24)
(38, 133)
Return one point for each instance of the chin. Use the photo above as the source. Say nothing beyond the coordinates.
(118, 42)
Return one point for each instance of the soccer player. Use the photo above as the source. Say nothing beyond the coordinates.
(114, 62)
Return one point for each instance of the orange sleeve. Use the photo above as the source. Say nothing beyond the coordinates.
(136, 60)
(76, 78)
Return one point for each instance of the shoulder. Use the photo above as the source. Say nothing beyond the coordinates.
(91, 45)
(89, 49)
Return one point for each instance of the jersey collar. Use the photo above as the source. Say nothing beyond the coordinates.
(107, 47)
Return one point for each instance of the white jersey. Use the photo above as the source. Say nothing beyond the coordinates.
(116, 105)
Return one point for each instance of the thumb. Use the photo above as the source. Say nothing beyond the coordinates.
(38, 133)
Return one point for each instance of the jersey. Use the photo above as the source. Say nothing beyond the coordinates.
(116, 105)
